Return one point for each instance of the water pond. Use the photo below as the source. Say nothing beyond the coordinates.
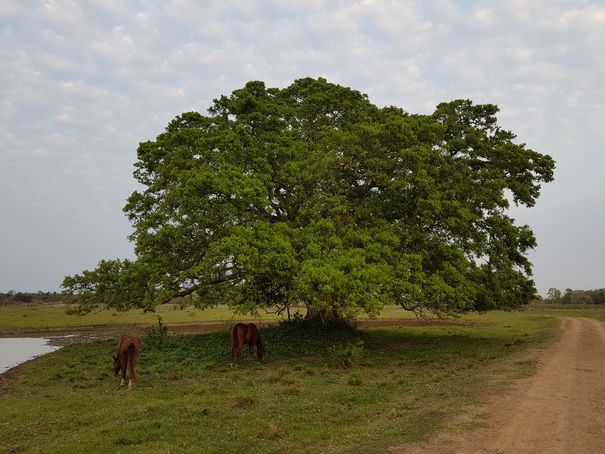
(17, 350)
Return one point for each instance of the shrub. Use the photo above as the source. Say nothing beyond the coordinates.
(157, 335)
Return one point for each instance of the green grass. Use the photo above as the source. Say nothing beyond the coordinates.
(341, 390)
(53, 316)
(25, 316)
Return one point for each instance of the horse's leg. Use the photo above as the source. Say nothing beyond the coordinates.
(124, 364)
(235, 344)
(236, 350)
(239, 351)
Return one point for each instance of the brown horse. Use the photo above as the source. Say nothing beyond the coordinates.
(128, 353)
(242, 334)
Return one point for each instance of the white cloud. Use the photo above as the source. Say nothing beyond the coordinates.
(115, 49)
(522, 55)
(62, 14)
(111, 9)
(295, 8)
(483, 18)
(590, 19)
(82, 89)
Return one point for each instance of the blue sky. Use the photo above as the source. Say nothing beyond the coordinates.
(83, 82)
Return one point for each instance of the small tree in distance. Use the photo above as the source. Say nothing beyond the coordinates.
(311, 195)
(554, 296)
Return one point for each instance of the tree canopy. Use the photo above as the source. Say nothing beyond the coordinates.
(311, 195)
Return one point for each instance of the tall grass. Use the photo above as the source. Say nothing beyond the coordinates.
(398, 385)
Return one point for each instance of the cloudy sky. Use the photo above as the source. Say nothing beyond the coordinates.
(83, 82)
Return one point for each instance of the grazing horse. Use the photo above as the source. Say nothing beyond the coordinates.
(242, 334)
(128, 353)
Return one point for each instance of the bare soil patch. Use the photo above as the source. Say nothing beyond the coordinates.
(559, 410)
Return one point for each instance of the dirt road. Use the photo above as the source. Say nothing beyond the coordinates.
(561, 409)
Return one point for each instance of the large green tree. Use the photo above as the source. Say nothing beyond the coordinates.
(311, 195)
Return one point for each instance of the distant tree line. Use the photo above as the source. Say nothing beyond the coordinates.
(13, 297)
(554, 296)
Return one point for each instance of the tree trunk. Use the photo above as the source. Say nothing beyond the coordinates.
(322, 315)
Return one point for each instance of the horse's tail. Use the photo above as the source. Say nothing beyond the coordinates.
(131, 352)
(234, 342)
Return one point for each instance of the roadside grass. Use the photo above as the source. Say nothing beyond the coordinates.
(338, 390)
(596, 311)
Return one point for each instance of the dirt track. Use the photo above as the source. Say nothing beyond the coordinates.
(561, 409)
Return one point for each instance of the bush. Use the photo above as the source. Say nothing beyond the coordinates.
(157, 335)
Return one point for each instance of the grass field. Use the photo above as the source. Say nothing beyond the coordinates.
(341, 390)
(54, 316)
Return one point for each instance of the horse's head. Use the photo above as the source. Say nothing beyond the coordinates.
(116, 365)
(260, 351)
